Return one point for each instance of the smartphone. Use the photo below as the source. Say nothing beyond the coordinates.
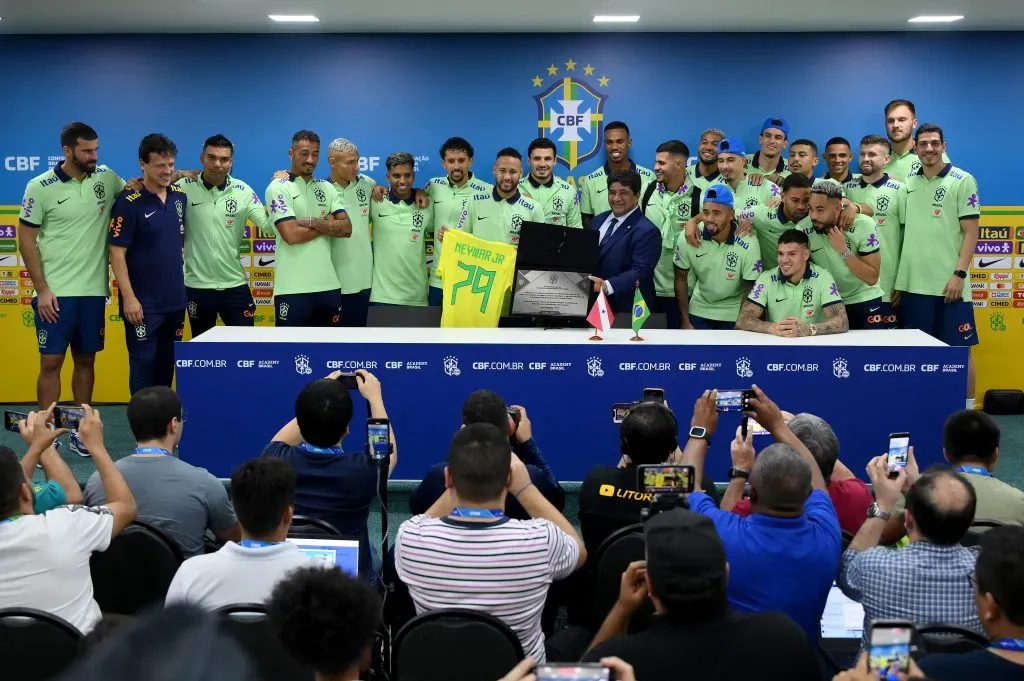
(889, 645)
(572, 670)
(619, 411)
(734, 400)
(11, 419)
(68, 417)
(378, 436)
(349, 381)
(654, 395)
(660, 479)
(899, 452)
(515, 415)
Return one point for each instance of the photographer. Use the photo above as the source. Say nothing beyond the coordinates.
(333, 485)
(485, 406)
(613, 497)
(61, 488)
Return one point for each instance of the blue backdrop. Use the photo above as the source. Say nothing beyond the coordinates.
(409, 92)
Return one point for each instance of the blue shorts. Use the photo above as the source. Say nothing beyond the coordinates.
(80, 324)
(871, 314)
(951, 323)
(308, 309)
(711, 324)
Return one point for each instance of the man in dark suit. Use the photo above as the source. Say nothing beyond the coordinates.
(630, 244)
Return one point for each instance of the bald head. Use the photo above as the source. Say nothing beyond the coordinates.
(942, 504)
(780, 481)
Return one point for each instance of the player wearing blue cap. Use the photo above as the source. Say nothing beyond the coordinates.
(724, 266)
(768, 161)
(732, 164)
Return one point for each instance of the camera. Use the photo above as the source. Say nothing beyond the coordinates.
(668, 486)
(621, 409)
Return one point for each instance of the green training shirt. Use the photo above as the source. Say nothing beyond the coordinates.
(933, 237)
(214, 227)
(71, 221)
(594, 192)
(670, 211)
(721, 270)
(305, 267)
(768, 224)
(448, 203)
(902, 166)
(703, 181)
(888, 198)
(353, 257)
(557, 198)
(754, 165)
(746, 195)
(490, 217)
(861, 239)
(400, 265)
(805, 300)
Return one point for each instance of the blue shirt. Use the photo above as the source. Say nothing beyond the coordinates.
(153, 232)
(782, 564)
(432, 486)
(336, 488)
(924, 583)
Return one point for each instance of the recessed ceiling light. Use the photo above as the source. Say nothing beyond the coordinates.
(616, 18)
(935, 19)
(294, 18)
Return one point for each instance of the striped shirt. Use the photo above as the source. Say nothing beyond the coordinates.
(503, 568)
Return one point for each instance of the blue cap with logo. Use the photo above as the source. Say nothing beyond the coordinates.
(732, 145)
(777, 123)
(720, 194)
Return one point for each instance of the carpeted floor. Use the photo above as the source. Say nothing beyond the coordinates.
(119, 443)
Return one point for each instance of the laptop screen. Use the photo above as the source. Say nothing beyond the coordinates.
(341, 552)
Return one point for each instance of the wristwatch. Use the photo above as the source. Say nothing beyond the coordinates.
(875, 512)
(738, 473)
(846, 254)
(814, 329)
(960, 273)
(700, 433)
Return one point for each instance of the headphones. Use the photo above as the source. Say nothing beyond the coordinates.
(624, 447)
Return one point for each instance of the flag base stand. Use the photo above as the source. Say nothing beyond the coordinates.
(595, 337)
(636, 338)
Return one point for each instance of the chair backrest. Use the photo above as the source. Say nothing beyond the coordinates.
(977, 529)
(613, 556)
(35, 644)
(135, 570)
(308, 527)
(949, 638)
(247, 624)
(467, 645)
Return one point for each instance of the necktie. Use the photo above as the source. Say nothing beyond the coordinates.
(611, 229)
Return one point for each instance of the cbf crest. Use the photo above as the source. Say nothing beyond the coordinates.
(570, 109)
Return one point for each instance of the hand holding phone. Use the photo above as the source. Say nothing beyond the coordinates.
(890, 642)
(899, 453)
(653, 395)
(734, 400)
(348, 380)
(667, 479)
(68, 417)
(12, 418)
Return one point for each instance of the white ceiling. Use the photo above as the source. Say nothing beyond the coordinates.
(491, 16)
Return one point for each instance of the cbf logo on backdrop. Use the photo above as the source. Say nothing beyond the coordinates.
(570, 110)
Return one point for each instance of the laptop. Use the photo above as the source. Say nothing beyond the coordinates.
(843, 617)
(341, 552)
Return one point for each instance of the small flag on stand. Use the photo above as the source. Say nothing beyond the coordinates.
(600, 316)
(640, 313)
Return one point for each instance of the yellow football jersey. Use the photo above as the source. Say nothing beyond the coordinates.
(477, 278)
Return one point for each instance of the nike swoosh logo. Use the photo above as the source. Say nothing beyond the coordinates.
(198, 204)
(982, 263)
(874, 309)
(263, 263)
(779, 300)
(437, 202)
(61, 201)
(701, 255)
(150, 214)
(911, 191)
(602, 191)
(481, 218)
(296, 196)
(382, 215)
(969, 336)
(815, 250)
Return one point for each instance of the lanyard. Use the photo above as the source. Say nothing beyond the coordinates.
(312, 449)
(974, 470)
(256, 543)
(151, 450)
(11, 519)
(1016, 644)
(478, 513)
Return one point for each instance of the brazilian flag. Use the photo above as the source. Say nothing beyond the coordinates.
(640, 311)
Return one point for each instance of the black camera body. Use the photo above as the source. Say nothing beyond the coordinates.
(663, 502)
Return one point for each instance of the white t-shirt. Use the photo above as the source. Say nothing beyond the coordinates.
(234, 574)
(44, 561)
